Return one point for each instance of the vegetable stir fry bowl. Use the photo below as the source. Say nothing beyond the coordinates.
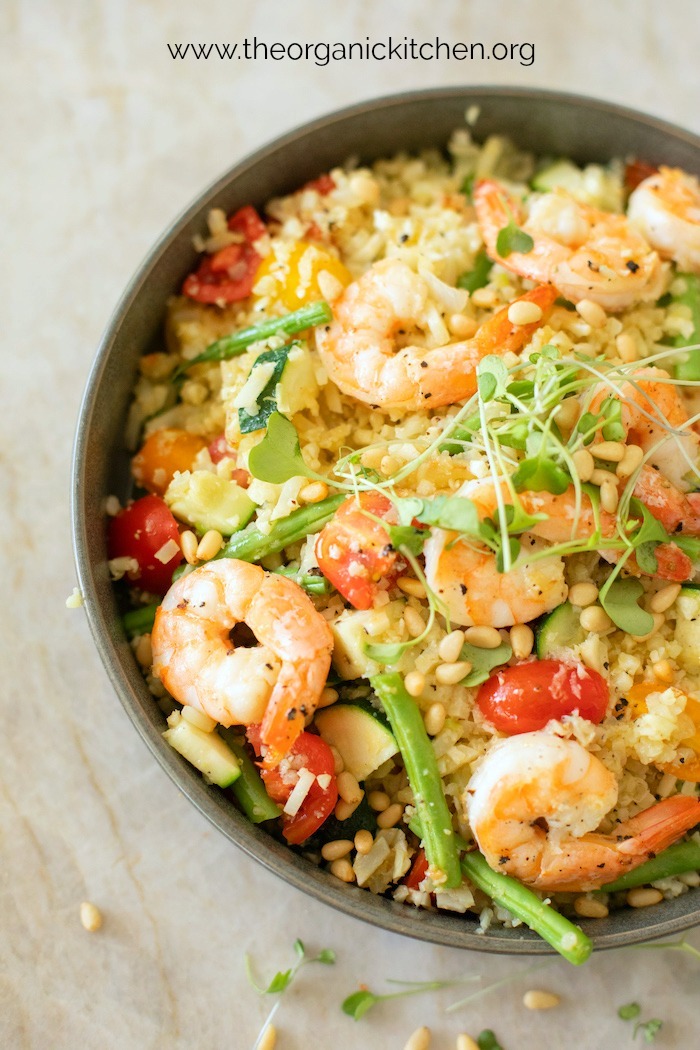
(548, 125)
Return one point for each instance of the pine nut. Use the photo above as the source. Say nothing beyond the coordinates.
(462, 326)
(434, 719)
(595, 619)
(590, 908)
(348, 788)
(584, 464)
(450, 674)
(632, 461)
(644, 897)
(342, 869)
(420, 1040)
(483, 637)
(610, 451)
(90, 916)
(524, 312)
(566, 414)
(415, 624)
(583, 594)
(144, 651)
(609, 496)
(465, 1042)
(390, 816)
(627, 347)
(522, 639)
(188, 546)
(210, 545)
(536, 999)
(411, 586)
(268, 1040)
(327, 697)
(600, 476)
(665, 598)
(415, 683)
(364, 840)
(314, 492)
(343, 810)
(336, 849)
(663, 671)
(451, 646)
(338, 763)
(592, 313)
(378, 801)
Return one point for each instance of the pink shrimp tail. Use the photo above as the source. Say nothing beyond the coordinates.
(659, 827)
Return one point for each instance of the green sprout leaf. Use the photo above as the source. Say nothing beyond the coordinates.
(358, 1004)
(325, 956)
(278, 456)
(690, 545)
(454, 513)
(483, 661)
(649, 1029)
(407, 536)
(479, 276)
(611, 411)
(541, 474)
(620, 601)
(487, 1040)
(492, 377)
(299, 948)
(279, 982)
(512, 239)
(629, 1011)
(467, 187)
(388, 653)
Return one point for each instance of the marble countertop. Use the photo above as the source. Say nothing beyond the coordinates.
(107, 137)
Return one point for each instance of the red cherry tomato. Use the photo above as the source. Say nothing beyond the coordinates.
(419, 869)
(323, 184)
(228, 275)
(140, 531)
(314, 754)
(220, 449)
(354, 552)
(523, 698)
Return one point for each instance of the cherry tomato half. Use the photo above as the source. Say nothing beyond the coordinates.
(314, 754)
(220, 449)
(140, 531)
(419, 869)
(523, 698)
(228, 275)
(637, 171)
(354, 551)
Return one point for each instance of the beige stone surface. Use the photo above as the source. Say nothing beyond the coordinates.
(105, 138)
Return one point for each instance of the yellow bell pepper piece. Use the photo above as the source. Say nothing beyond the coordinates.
(689, 770)
(295, 274)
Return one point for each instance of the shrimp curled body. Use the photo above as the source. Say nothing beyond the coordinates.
(584, 252)
(278, 682)
(362, 355)
(536, 779)
(666, 208)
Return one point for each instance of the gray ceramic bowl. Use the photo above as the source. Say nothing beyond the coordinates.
(547, 123)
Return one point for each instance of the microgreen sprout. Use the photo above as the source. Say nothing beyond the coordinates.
(649, 1029)
(512, 239)
(283, 978)
(629, 1011)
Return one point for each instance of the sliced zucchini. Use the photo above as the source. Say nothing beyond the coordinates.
(208, 501)
(688, 628)
(560, 173)
(560, 629)
(206, 751)
(594, 184)
(354, 628)
(360, 733)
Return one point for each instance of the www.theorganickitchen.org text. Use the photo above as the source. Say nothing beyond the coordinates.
(323, 53)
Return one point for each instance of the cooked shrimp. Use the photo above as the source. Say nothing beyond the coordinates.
(362, 349)
(585, 253)
(655, 417)
(666, 209)
(278, 682)
(468, 583)
(473, 592)
(535, 801)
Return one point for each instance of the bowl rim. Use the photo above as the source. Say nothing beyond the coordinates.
(430, 926)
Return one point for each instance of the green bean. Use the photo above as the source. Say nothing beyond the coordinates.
(139, 621)
(689, 370)
(231, 345)
(249, 788)
(423, 775)
(251, 544)
(310, 582)
(684, 856)
(568, 939)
